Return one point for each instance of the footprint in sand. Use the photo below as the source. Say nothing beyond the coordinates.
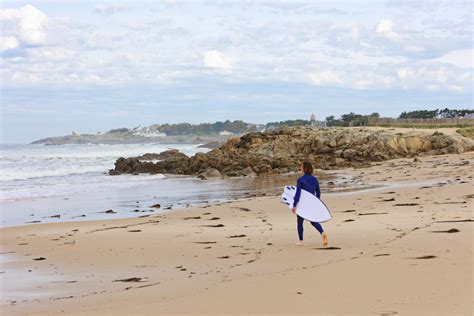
(450, 231)
(134, 279)
(387, 313)
(327, 248)
(425, 257)
(237, 236)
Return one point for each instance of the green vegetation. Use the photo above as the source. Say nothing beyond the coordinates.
(443, 113)
(118, 131)
(466, 132)
(236, 127)
(351, 119)
(273, 125)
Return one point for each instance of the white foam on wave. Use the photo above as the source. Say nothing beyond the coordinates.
(31, 171)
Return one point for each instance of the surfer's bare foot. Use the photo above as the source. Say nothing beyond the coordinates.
(299, 243)
(325, 239)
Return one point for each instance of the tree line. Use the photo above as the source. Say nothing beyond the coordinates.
(236, 127)
(240, 127)
(438, 113)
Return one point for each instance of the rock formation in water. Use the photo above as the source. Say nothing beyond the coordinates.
(282, 151)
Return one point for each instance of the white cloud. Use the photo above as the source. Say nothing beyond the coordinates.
(404, 73)
(26, 25)
(385, 28)
(456, 88)
(459, 58)
(109, 9)
(53, 53)
(216, 60)
(141, 46)
(326, 77)
(8, 42)
(355, 32)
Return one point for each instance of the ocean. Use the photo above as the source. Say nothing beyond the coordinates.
(41, 184)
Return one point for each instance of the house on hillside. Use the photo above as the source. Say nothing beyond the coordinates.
(226, 133)
(316, 123)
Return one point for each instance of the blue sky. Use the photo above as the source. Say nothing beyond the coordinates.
(91, 66)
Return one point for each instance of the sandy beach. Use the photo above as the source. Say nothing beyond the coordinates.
(403, 247)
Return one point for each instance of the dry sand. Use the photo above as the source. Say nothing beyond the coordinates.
(401, 249)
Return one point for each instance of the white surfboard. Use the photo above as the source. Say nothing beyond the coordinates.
(309, 206)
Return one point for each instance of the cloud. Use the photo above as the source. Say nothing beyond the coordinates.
(326, 78)
(385, 28)
(109, 9)
(282, 41)
(25, 25)
(404, 73)
(8, 42)
(459, 58)
(216, 60)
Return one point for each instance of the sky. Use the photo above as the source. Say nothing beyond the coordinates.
(90, 66)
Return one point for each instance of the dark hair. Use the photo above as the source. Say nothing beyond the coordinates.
(307, 167)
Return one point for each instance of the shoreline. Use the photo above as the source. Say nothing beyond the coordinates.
(390, 251)
(137, 200)
(179, 208)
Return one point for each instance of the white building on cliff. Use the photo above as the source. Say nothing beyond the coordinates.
(315, 123)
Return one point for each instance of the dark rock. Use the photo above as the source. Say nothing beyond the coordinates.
(248, 172)
(209, 173)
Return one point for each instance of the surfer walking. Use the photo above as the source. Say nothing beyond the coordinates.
(309, 183)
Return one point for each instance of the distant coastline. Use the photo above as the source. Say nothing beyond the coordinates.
(219, 132)
(119, 138)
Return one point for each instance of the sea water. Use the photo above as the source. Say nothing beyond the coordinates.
(39, 171)
(33, 178)
(41, 184)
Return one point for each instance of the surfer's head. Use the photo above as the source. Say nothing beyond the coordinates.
(307, 167)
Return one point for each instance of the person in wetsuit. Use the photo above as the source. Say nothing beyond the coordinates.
(309, 183)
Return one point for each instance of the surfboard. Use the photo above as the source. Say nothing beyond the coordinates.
(309, 206)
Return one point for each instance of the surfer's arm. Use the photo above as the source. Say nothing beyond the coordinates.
(296, 199)
(318, 190)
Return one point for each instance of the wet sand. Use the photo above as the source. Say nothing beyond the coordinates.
(171, 193)
(405, 248)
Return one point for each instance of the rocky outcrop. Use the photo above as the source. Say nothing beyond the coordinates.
(284, 150)
(171, 161)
